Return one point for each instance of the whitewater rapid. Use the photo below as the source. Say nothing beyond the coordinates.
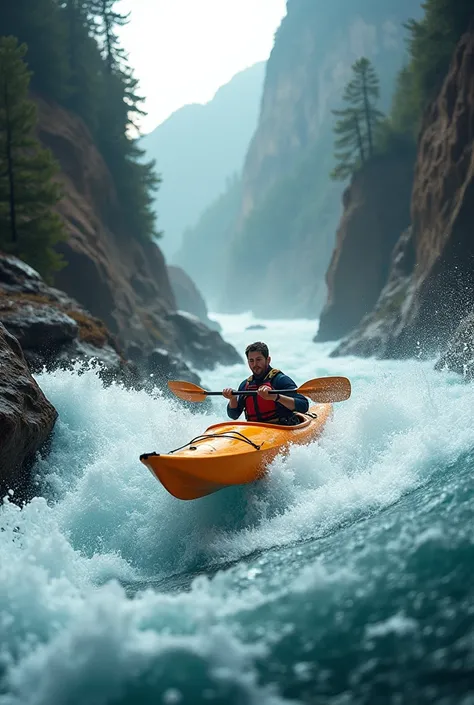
(302, 586)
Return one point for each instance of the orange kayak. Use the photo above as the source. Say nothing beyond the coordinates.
(231, 453)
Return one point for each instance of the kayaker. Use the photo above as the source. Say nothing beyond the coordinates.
(265, 407)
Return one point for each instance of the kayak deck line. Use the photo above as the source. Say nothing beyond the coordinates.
(231, 453)
(235, 435)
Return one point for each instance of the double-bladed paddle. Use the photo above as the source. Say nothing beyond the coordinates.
(324, 390)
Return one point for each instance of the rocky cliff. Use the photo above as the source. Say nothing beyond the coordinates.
(289, 204)
(376, 211)
(121, 281)
(430, 297)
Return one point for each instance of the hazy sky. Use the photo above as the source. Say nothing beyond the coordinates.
(184, 50)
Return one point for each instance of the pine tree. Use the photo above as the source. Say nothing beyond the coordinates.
(121, 86)
(405, 112)
(28, 225)
(356, 128)
(431, 43)
(77, 61)
(38, 23)
(349, 138)
(85, 61)
(105, 30)
(118, 108)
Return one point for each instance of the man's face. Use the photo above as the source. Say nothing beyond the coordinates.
(258, 363)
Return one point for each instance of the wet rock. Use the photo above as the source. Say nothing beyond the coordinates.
(36, 324)
(162, 367)
(189, 298)
(26, 417)
(203, 348)
(443, 212)
(256, 326)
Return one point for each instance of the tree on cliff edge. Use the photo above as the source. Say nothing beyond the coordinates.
(118, 134)
(357, 125)
(28, 225)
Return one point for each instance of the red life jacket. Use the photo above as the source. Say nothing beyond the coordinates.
(256, 408)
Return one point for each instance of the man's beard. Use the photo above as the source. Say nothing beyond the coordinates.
(261, 375)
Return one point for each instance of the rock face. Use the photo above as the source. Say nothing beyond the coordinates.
(443, 210)
(26, 416)
(188, 297)
(119, 280)
(436, 295)
(376, 211)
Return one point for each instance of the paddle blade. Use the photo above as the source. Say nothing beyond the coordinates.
(326, 390)
(187, 391)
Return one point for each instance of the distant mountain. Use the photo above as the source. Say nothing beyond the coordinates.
(198, 147)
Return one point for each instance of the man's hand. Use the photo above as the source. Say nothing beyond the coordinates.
(227, 393)
(264, 392)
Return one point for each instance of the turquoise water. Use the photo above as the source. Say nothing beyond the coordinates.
(343, 577)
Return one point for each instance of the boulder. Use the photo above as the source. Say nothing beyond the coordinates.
(205, 348)
(26, 417)
(51, 327)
